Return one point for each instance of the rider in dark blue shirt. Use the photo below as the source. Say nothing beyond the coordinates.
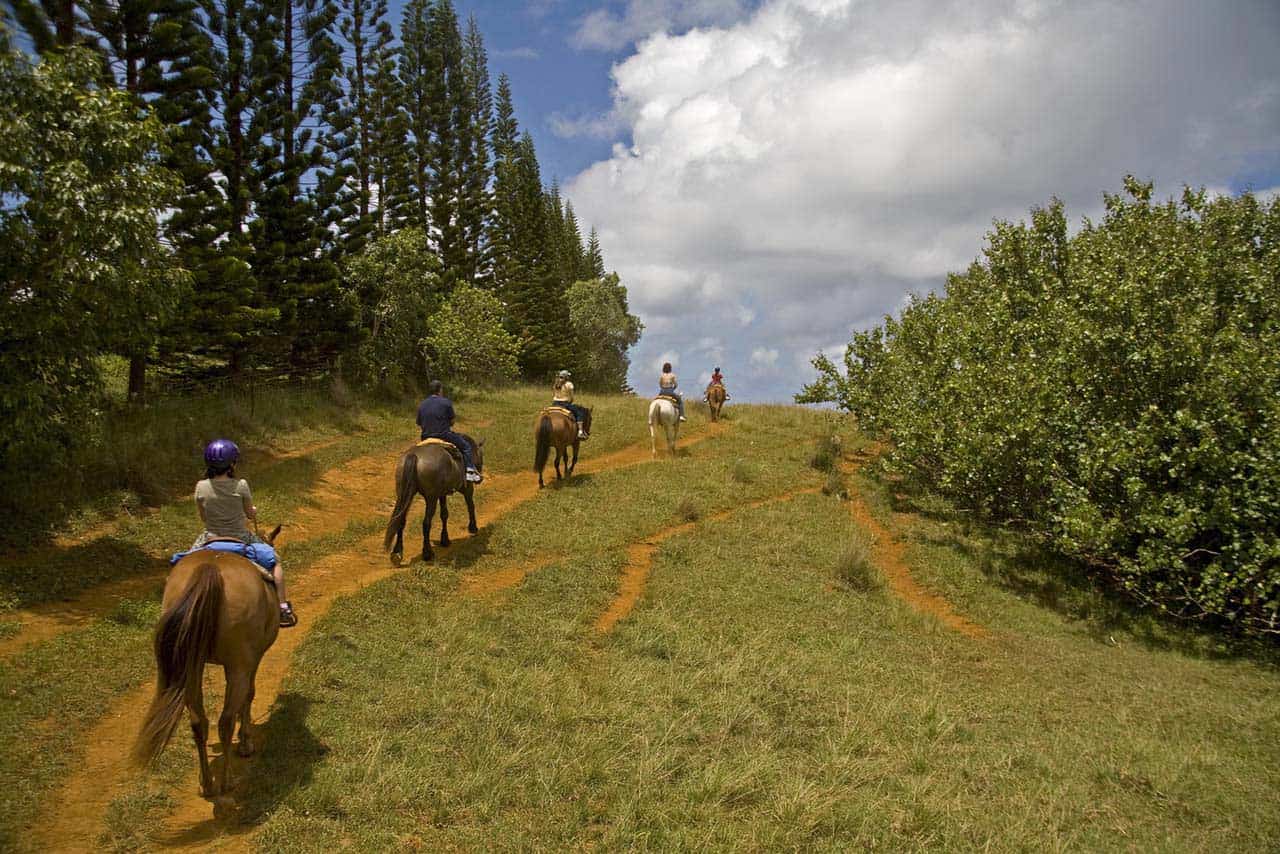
(435, 417)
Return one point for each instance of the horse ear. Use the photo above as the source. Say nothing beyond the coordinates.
(271, 538)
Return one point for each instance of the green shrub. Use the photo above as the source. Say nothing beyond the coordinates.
(1116, 392)
(687, 510)
(854, 568)
(827, 454)
(743, 472)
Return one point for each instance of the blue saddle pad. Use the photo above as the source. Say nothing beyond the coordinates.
(260, 553)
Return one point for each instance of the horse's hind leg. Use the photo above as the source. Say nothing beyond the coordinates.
(444, 522)
(573, 465)
(239, 692)
(470, 498)
(427, 554)
(559, 455)
(200, 734)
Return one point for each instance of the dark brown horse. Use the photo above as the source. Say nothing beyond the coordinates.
(556, 427)
(218, 608)
(715, 400)
(432, 471)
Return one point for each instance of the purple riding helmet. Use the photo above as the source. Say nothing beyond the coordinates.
(221, 453)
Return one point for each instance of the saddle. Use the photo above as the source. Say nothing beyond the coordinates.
(261, 555)
(674, 400)
(558, 410)
(445, 443)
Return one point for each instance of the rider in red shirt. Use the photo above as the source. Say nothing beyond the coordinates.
(717, 378)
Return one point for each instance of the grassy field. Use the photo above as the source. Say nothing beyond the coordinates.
(766, 689)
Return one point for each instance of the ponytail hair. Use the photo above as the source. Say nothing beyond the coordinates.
(217, 471)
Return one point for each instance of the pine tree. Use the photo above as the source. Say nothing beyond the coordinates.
(576, 260)
(504, 266)
(415, 49)
(477, 171)
(448, 114)
(594, 259)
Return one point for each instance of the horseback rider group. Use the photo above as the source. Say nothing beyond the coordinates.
(225, 504)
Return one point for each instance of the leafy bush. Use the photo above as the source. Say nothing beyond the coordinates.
(468, 344)
(396, 281)
(1117, 392)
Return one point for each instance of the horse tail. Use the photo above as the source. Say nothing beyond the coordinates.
(542, 443)
(183, 643)
(406, 491)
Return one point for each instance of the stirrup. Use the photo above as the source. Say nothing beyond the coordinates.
(288, 619)
(682, 418)
(474, 476)
(582, 436)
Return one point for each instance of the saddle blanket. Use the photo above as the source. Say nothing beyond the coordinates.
(668, 397)
(445, 443)
(559, 410)
(260, 553)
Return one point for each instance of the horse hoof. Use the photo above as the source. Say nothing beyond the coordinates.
(396, 558)
(427, 556)
(444, 544)
(245, 747)
(473, 529)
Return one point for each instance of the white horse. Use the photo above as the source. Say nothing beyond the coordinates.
(663, 411)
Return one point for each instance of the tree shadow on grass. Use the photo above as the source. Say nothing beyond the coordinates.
(51, 573)
(1032, 571)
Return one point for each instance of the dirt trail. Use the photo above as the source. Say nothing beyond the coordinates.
(888, 554)
(635, 574)
(74, 819)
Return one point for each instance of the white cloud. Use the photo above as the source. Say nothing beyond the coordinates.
(764, 359)
(594, 126)
(792, 174)
(518, 53)
(603, 29)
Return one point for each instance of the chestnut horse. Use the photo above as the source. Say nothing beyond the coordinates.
(715, 400)
(432, 471)
(218, 608)
(556, 427)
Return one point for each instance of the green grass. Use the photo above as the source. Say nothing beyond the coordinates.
(747, 704)
(767, 692)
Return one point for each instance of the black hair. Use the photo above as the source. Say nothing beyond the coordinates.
(217, 471)
(436, 387)
(666, 367)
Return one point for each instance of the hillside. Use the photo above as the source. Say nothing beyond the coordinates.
(716, 651)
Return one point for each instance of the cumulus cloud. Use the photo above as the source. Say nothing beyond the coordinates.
(594, 126)
(789, 177)
(610, 30)
(517, 53)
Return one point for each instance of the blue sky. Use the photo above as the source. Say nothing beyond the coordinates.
(770, 175)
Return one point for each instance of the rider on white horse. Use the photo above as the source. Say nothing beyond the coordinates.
(667, 386)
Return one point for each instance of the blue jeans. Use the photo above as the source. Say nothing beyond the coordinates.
(670, 392)
(460, 442)
(572, 407)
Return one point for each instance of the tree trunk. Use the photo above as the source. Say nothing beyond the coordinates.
(137, 376)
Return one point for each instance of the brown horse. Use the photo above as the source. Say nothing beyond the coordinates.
(554, 427)
(218, 608)
(715, 400)
(432, 471)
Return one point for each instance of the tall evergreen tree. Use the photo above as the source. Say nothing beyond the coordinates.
(477, 170)
(415, 83)
(594, 262)
(504, 265)
(448, 113)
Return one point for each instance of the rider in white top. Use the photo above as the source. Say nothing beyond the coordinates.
(562, 395)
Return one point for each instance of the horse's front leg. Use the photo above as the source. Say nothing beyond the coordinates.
(427, 554)
(469, 496)
(559, 454)
(573, 465)
(653, 441)
(444, 522)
